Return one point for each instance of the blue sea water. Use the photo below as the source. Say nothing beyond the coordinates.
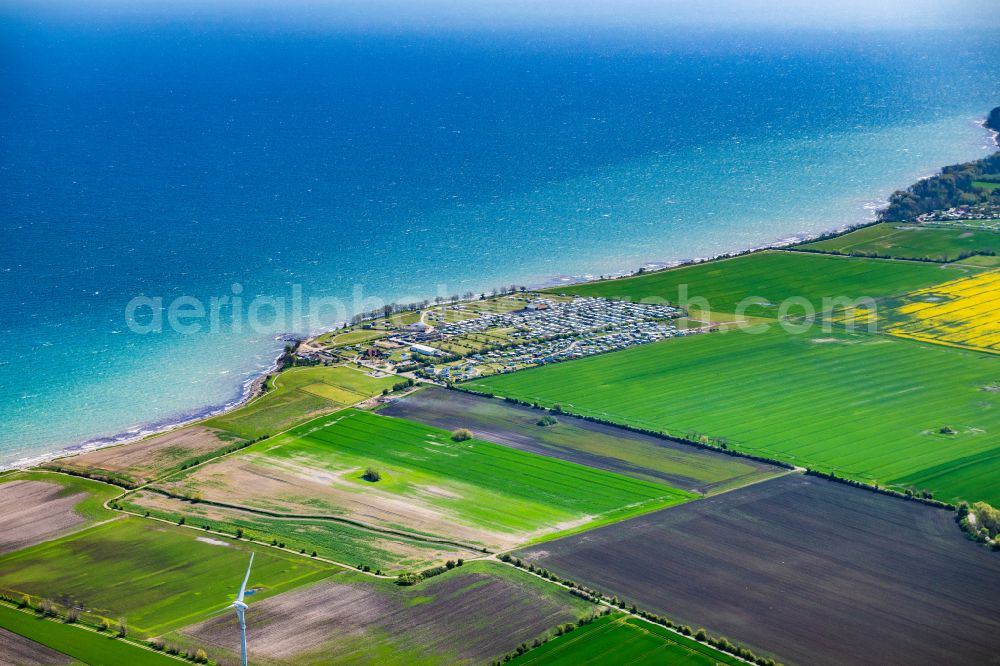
(182, 157)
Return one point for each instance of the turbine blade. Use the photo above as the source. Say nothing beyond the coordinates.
(243, 588)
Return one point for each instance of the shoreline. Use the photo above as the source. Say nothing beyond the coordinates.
(251, 387)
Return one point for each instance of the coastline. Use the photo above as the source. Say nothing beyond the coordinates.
(251, 387)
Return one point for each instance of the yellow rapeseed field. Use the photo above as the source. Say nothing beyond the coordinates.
(963, 312)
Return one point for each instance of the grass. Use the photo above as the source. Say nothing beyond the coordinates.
(622, 639)
(356, 336)
(763, 280)
(299, 394)
(350, 545)
(471, 491)
(909, 241)
(591, 444)
(866, 407)
(490, 485)
(982, 261)
(157, 576)
(984, 185)
(89, 647)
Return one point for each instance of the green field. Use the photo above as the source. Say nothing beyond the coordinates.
(472, 492)
(157, 576)
(298, 394)
(764, 279)
(584, 442)
(485, 484)
(867, 407)
(894, 239)
(89, 647)
(621, 639)
(982, 261)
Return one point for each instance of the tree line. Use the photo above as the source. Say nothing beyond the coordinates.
(951, 188)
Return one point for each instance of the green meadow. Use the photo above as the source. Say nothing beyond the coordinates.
(158, 577)
(89, 647)
(909, 241)
(584, 442)
(474, 482)
(762, 280)
(620, 639)
(298, 394)
(872, 408)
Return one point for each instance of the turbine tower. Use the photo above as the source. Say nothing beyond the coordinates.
(240, 608)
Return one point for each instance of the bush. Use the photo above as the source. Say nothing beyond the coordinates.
(461, 435)
(372, 475)
(987, 517)
(122, 628)
(105, 624)
(408, 579)
(200, 657)
(546, 421)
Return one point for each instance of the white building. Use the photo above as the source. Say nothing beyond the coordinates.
(426, 351)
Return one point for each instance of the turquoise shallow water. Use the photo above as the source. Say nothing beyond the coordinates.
(182, 158)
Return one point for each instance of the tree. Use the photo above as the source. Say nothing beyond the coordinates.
(122, 628)
(461, 435)
(372, 475)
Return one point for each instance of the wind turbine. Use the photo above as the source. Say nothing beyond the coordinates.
(240, 607)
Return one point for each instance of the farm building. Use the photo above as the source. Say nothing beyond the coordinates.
(426, 351)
